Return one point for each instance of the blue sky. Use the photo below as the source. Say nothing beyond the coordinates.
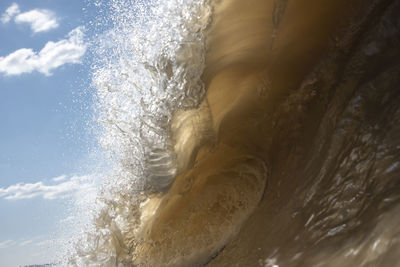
(44, 113)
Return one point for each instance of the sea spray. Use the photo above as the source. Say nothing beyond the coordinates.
(148, 63)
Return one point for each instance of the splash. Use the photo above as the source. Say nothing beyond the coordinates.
(148, 65)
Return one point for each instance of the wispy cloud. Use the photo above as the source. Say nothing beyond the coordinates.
(52, 56)
(10, 13)
(26, 242)
(45, 243)
(59, 178)
(7, 243)
(75, 185)
(40, 20)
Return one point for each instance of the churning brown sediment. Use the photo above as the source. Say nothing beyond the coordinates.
(302, 96)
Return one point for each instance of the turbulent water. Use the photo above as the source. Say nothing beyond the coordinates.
(247, 133)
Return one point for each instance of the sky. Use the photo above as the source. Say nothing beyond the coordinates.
(45, 117)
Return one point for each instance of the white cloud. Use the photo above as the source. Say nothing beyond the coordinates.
(52, 56)
(75, 185)
(6, 243)
(10, 13)
(40, 20)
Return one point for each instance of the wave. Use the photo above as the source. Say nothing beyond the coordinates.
(247, 133)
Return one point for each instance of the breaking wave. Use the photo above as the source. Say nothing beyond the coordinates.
(246, 133)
